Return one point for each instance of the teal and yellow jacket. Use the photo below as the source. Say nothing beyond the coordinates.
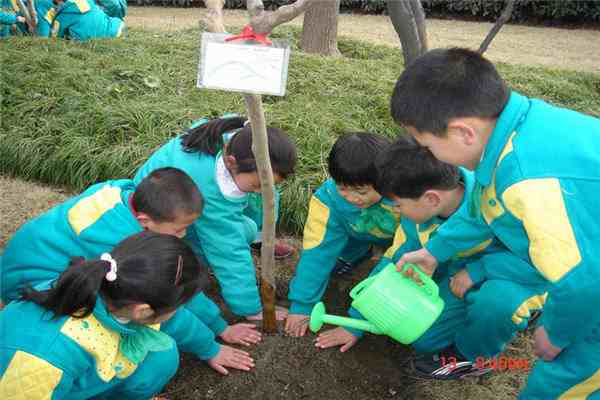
(8, 16)
(46, 11)
(331, 223)
(483, 257)
(87, 226)
(83, 20)
(219, 234)
(75, 358)
(539, 178)
(114, 8)
(475, 239)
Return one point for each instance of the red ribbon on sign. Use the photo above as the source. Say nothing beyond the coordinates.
(249, 34)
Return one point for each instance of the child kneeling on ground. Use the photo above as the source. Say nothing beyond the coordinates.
(97, 331)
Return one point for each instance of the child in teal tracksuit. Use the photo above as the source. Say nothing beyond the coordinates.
(476, 323)
(114, 8)
(345, 218)
(9, 17)
(536, 170)
(218, 156)
(84, 20)
(93, 222)
(106, 328)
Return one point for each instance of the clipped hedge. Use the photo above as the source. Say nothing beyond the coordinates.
(524, 10)
(78, 113)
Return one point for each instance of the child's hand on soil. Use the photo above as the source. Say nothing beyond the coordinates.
(280, 314)
(543, 347)
(231, 357)
(460, 283)
(336, 337)
(242, 333)
(296, 324)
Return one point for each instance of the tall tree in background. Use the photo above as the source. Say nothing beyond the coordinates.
(320, 27)
(408, 18)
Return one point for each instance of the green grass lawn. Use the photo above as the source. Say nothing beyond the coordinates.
(73, 114)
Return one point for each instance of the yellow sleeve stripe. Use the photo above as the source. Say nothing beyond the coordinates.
(399, 240)
(29, 378)
(479, 248)
(316, 224)
(583, 389)
(89, 209)
(539, 204)
(531, 304)
(490, 206)
(507, 148)
(83, 5)
(424, 235)
(50, 15)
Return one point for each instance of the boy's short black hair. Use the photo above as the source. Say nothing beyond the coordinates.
(166, 194)
(351, 159)
(407, 170)
(444, 84)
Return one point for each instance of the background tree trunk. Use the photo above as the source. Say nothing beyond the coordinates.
(408, 19)
(319, 29)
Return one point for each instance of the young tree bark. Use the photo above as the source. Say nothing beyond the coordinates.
(29, 17)
(504, 17)
(261, 22)
(320, 28)
(408, 19)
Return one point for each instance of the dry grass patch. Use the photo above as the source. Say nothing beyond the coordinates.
(22, 201)
(577, 49)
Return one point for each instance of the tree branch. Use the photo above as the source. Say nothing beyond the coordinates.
(28, 18)
(405, 24)
(419, 14)
(263, 22)
(214, 16)
(504, 17)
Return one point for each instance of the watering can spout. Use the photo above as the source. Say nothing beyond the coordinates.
(318, 317)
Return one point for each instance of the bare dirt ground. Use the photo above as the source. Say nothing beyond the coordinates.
(577, 49)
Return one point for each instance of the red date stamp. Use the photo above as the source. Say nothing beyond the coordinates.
(501, 363)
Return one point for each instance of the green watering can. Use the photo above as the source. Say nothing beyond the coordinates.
(392, 305)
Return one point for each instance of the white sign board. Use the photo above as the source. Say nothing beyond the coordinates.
(243, 66)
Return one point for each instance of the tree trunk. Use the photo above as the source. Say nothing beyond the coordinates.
(25, 11)
(504, 17)
(261, 22)
(260, 148)
(319, 29)
(408, 19)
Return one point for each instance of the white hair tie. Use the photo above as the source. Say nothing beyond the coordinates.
(111, 275)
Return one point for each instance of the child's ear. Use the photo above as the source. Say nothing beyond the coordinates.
(432, 198)
(144, 220)
(463, 130)
(230, 162)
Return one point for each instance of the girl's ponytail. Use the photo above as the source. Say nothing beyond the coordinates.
(208, 138)
(76, 290)
(156, 269)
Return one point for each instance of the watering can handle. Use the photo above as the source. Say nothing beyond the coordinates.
(361, 285)
(429, 285)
